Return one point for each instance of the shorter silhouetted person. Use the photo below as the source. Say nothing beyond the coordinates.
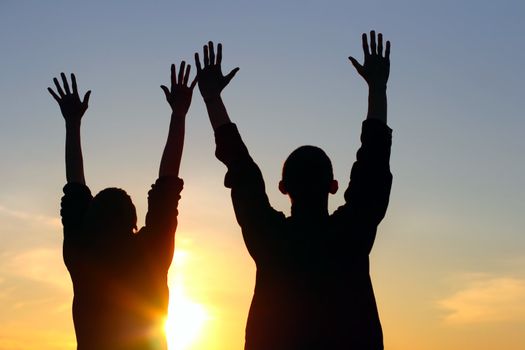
(313, 288)
(119, 273)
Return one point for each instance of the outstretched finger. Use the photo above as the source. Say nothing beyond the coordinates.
(66, 85)
(86, 98)
(180, 79)
(366, 50)
(380, 44)
(55, 96)
(74, 84)
(356, 64)
(387, 50)
(173, 77)
(197, 63)
(166, 91)
(193, 83)
(230, 75)
(186, 75)
(206, 58)
(59, 88)
(212, 53)
(219, 53)
(373, 48)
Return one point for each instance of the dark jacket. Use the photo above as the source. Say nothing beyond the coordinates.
(120, 291)
(313, 288)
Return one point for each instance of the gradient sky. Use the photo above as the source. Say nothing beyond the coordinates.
(448, 265)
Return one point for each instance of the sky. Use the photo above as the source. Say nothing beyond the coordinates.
(448, 264)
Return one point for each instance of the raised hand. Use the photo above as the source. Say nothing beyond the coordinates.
(211, 80)
(376, 68)
(71, 106)
(179, 96)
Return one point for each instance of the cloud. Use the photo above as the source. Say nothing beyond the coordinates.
(31, 217)
(486, 299)
(42, 265)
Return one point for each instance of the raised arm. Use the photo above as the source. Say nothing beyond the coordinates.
(368, 193)
(375, 70)
(179, 98)
(158, 235)
(212, 82)
(250, 202)
(72, 109)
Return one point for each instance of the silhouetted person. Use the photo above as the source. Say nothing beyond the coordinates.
(313, 288)
(119, 274)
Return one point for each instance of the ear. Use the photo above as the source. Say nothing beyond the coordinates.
(282, 187)
(334, 186)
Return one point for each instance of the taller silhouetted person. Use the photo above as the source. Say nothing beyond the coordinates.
(119, 274)
(313, 288)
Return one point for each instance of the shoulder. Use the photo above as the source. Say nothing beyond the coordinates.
(167, 184)
(76, 189)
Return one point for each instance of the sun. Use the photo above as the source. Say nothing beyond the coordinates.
(186, 318)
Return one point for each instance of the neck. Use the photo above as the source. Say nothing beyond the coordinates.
(310, 210)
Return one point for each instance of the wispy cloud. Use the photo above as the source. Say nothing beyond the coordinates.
(31, 217)
(486, 299)
(42, 265)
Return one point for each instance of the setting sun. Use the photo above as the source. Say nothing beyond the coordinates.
(186, 318)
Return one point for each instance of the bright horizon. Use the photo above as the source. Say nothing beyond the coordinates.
(448, 264)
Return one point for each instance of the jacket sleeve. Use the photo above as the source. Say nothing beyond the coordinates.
(258, 220)
(367, 195)
(161, 219)
(73, 206)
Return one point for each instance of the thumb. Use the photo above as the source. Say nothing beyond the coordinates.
(166, 91)
(55, 96)
(230, 75)
(193, 83)
(356, 64)
(86, 98)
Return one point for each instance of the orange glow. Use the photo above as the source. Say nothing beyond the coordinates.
(186, 318)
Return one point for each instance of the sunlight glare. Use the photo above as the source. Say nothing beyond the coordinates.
(186, 318)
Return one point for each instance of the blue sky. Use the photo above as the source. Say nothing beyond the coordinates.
(456, 220)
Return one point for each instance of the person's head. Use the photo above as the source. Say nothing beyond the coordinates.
(308, 175)
(112, 213)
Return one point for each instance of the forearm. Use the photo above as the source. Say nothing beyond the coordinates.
(171, 157)
(217, 112)
(74, 161)
(377, 103)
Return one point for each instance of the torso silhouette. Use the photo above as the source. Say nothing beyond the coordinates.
(313, 288)
(120, 289)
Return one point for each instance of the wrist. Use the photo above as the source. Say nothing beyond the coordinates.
(377, 87)
(72, 124)
(212, 98)
(178, 114)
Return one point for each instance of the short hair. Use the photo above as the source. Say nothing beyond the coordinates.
(307, 170)
(111, 210)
